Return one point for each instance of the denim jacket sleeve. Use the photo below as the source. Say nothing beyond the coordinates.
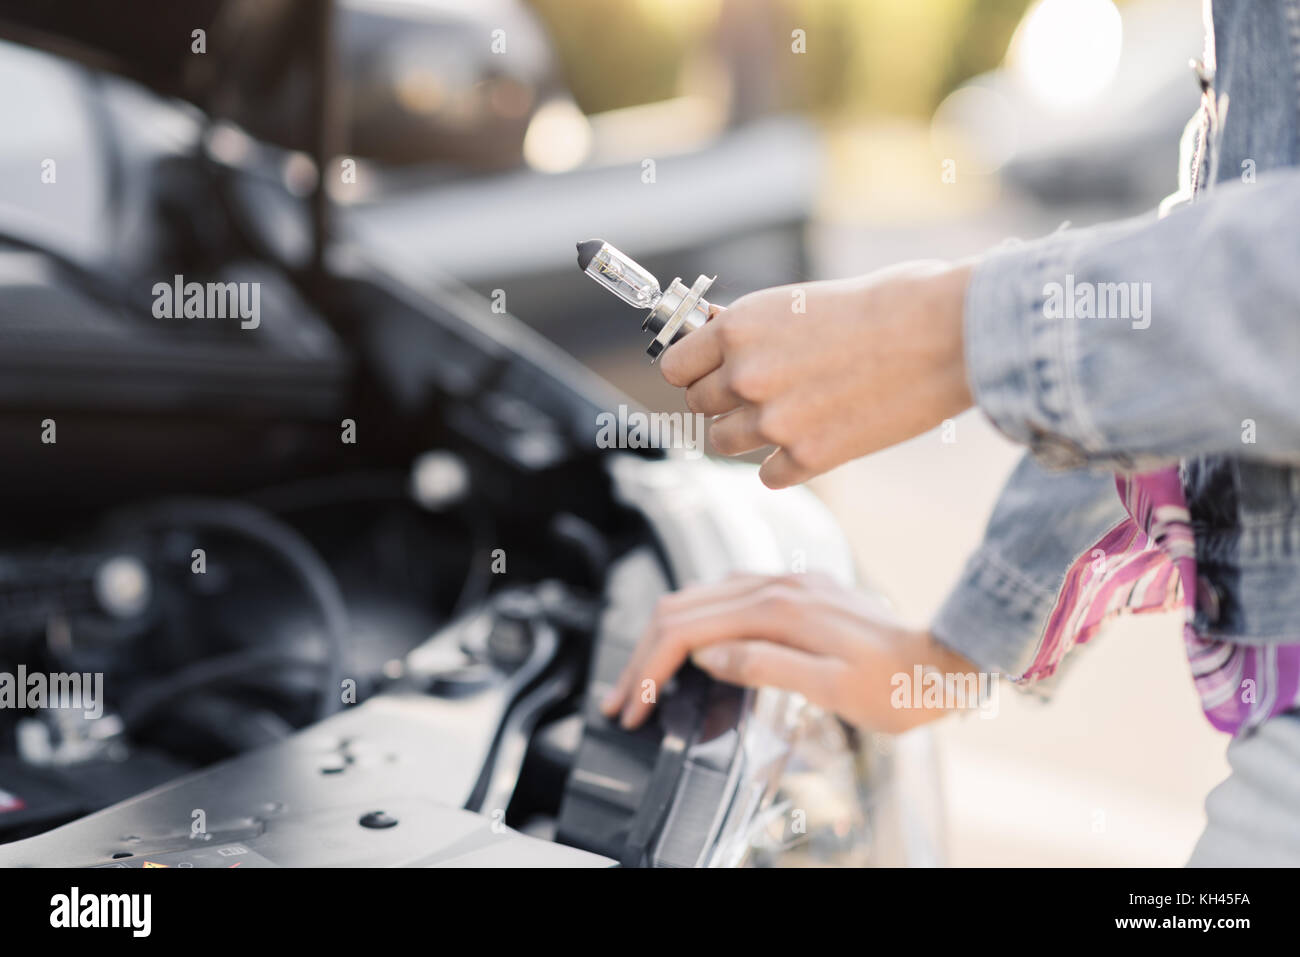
(1042, 522)
(1133, 345)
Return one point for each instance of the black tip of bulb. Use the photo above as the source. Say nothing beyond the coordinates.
(587, 251)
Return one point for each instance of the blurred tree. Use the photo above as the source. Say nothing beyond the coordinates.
(860, 56)
(623, 52)
(986, 32)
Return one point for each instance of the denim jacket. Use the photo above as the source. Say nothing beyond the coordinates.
(1202, 369)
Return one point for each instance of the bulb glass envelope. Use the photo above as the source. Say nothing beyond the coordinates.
(672, 313)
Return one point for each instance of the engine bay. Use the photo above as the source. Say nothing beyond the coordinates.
(215, 627)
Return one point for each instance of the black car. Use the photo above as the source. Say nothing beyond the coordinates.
(316, 557)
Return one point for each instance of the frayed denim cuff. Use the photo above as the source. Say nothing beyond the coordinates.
(994, 616)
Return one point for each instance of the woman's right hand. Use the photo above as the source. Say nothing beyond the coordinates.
(803, 633)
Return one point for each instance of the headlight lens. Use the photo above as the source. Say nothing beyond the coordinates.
(812, 792)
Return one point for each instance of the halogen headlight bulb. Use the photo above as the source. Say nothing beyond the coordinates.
(673, 312)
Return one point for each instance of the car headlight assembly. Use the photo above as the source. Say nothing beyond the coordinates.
(798, 800)
(803, 789)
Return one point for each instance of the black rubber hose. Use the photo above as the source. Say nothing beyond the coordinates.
(201, 675)
(293, 549)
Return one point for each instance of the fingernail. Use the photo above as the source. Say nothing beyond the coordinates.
(609, 703)
(626, 721)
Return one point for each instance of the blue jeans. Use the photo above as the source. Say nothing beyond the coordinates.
(1254, 816)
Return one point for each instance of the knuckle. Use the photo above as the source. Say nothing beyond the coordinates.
(817, 579)
(796, 582)
(834, 690)
(669, 370)
(748, 381)
(745, 666)
(779, 597)
(731, 328)
(676, 649)
(662, 636)
(722, 440)
(807, 453)
(673, 643)
(694, 401)
(797, 452)
(773, 425)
